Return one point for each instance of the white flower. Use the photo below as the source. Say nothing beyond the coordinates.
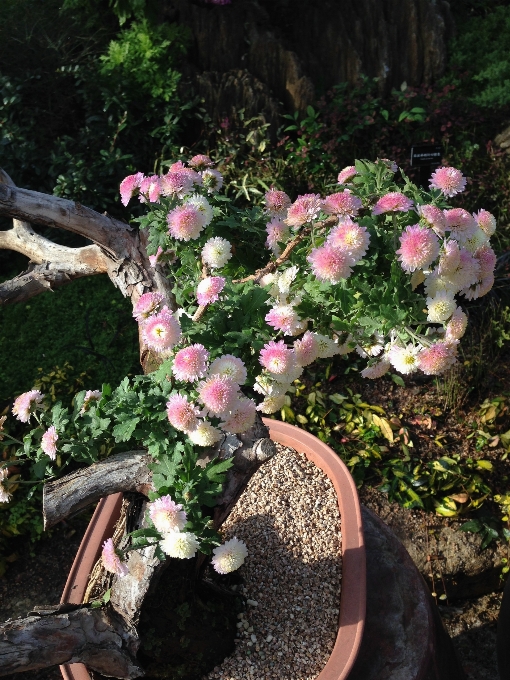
(441, 306)
(229, 366)
(205, 435)
(327, 347)
(376, 370)
(216, 252)
(286, 278)
(4, 494)
(229, 556)
(204, 206)
(267, 385)
(404, 359)
(181, 544)
(271, 404)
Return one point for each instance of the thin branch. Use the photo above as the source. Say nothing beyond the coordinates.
(273, 265)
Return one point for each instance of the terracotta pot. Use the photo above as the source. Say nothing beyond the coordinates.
(353, 600)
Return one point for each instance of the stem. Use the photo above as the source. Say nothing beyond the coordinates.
(395, 236)
(13, 439)
(422, 340)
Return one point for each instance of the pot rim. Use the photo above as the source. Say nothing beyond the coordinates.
(353, 594)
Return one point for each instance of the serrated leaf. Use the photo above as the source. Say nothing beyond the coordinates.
(214, 469)
(123, 431)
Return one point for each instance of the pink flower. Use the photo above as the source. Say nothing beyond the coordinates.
(241, 416)
(487, 259)
(304, 209)
(392, 202)
(25, 405)
(190, 363)
(346, 174)
(466, 273)
(181, 414)
(433, 216)
(306, 349)
(277, 357)
(128, 186)
(212, 180)
(112, 561)
(185, 222)
(449, 261)
(230, 367)
(479, 289)
(91, 396)
(209, 289)
(351, 238)
(150, 189)
(277, 232)
(331, 264)
(460, 223)
(448, 180)
(277, 202)
(49, 442)
(218, 393)
(200, 162)
(342, 203)
(177, 183)
(376, 370)
(283, 318)
(486, 221)
(437, 358)
(456, 326)
(146, 305)
(419, 247)
(166, 515)
(161, 331)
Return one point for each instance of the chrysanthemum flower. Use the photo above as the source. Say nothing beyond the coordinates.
(419, 247)
(166, 515)
(376, 370)
(449, 181)
(229, 366)
(371, 348)
(304, 209)
(460, 223)
(277, 357)
(91, 396)
(277, 232)
(269, 384)
(181, 414)
(433, 216)
(112, 561)
(218, 393)
(283, 318)
(306, 349)
(449, 261)
(216, 252)
(440, 307)
(438, 357)
(478, 240)
(346, 174)
(456, 326)
(212, 180)
(466, 273)
(326, 347)
(342, 203)
(177, 183)
(330, 263)
(487, 259)
(208, 289)
(241, 416)
(161, 331)
(190, 363)
(285, 379)
(129, 186)
(486, 221)
(185, 222)
(205, 434)
(200, 162)
(49, 442)
(435, 283)
(202, 205)
(146, 305)
(277, 202)
(479, 289)
(4, 494)
(404, 359)
(394, 201)
(26, 404)
(271, 404)
(229, 556)
(150, 189)
(350, 237)
(180, 544)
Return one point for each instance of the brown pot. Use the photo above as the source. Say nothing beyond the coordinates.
(353, 600)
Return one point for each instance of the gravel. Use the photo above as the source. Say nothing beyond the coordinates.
(288, 517)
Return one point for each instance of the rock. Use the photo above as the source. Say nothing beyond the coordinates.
(503, 139)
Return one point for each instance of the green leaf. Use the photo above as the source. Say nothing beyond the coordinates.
(484, 464)
(473, 525)
(397, 380)
(214, 469)
(123, 431)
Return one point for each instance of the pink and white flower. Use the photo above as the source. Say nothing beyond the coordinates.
(208, 289)
(277, 232)
(150, 189)
(486, 221)
(283, 318)
(419, 247)
(5, 496)
(166, 515)
(185, 222)
(346, 174)
(460, 224)
(479, 289)
(26, 404)
(449, 181)
(161, 331)
(326, 347)
(487, 259)
(49, 442)
(376, 370)
(433, 216)
(277, 357)
(241, 416)
(216, 252)
(129, 186)
(91, 397)
(342, 203)
(437, 358)
(449, 261)
(218, 393)
(351, 238)
(146, 305)
(205, 434)
(440, 307)
(229, 556)
(330, 263)
(306, 349)
(180, 544)
(456, 326)
(111, 560)
(404, 359)
(277, 202)
(466, 273)
(181, 413)
(177, 183)
(203, 206)
(190, 363)
(304, 209)
(271, 404)
(212, 180)
(231, 367)
(394, 201)
(200, 162)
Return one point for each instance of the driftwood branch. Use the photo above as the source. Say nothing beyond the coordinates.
(91, 636)
(70, 494)
(37, 279)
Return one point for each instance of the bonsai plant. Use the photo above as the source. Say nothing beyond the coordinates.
(375, 267)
